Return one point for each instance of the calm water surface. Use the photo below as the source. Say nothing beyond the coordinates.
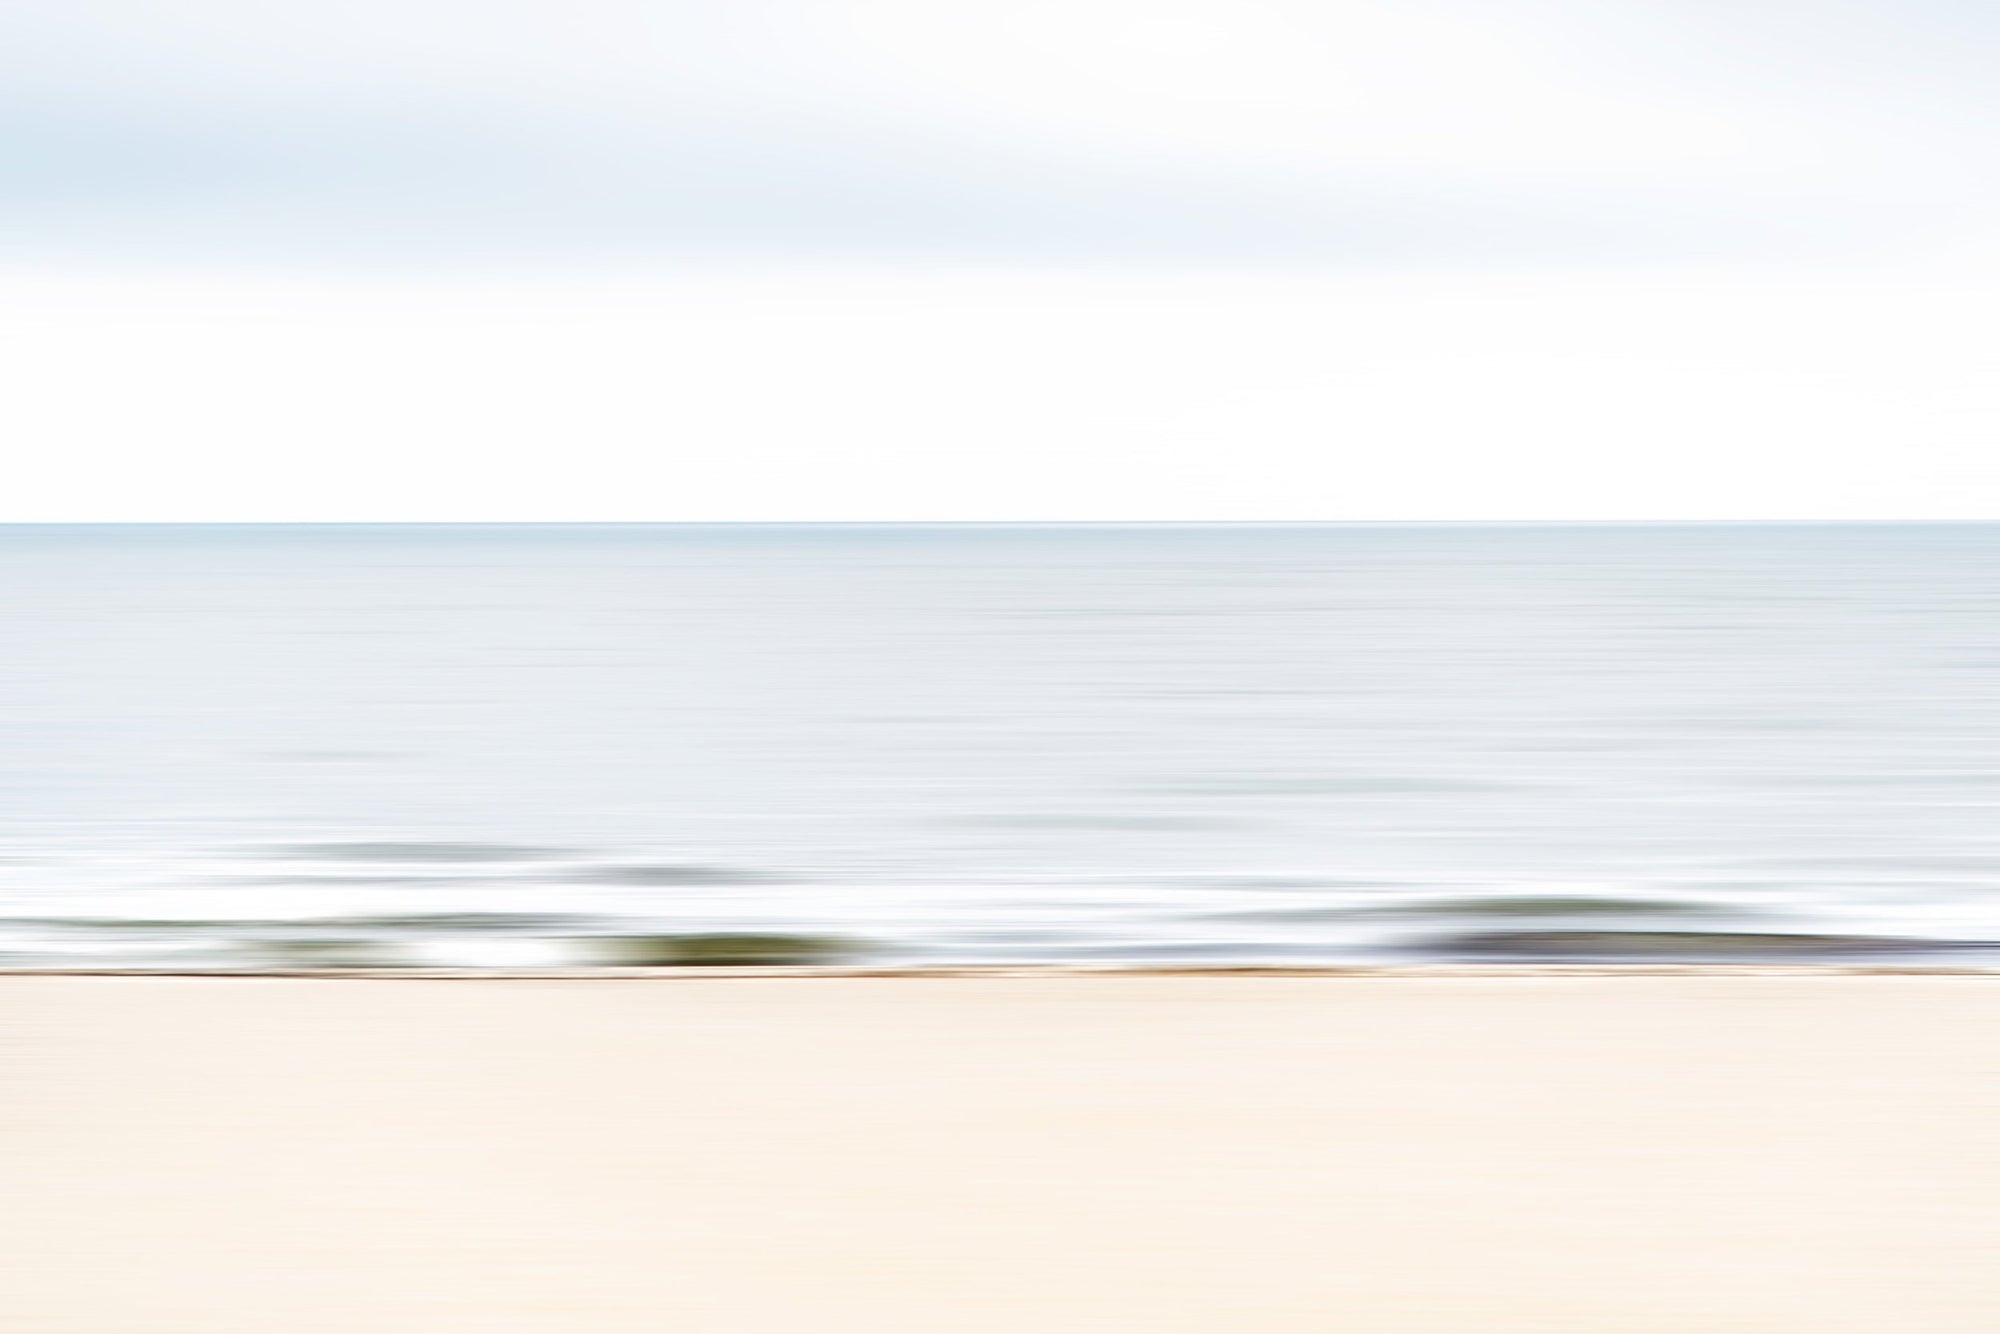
(1055, 744)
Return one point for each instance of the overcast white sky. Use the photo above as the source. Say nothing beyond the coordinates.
(1041, 259)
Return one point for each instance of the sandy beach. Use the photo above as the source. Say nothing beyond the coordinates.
(1003, 1155)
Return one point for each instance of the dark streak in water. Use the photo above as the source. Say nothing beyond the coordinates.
(1553, 905)
(1132, 822)
(412, 852)
(1339, 787)
(390, 922)
(1687, 946)
(355, 881)
(1911, 863)
(667, 875)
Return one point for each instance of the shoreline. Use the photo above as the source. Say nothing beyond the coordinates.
(1028, 971)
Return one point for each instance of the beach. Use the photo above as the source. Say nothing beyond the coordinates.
(1790, 1153)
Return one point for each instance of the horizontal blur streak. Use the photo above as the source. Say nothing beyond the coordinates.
(244, 747)
(1315, 131)
(1041, 260)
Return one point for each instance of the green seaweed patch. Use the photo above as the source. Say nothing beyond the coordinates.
(329, 953)
(121, 924)
(743, 949)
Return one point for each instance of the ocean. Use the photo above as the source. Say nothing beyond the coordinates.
(520, 745)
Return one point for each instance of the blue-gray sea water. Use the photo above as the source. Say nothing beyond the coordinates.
(1283, 744)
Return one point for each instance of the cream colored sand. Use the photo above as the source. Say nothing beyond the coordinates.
(1055, 1155)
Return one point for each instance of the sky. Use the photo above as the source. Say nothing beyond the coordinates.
(933, 260)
